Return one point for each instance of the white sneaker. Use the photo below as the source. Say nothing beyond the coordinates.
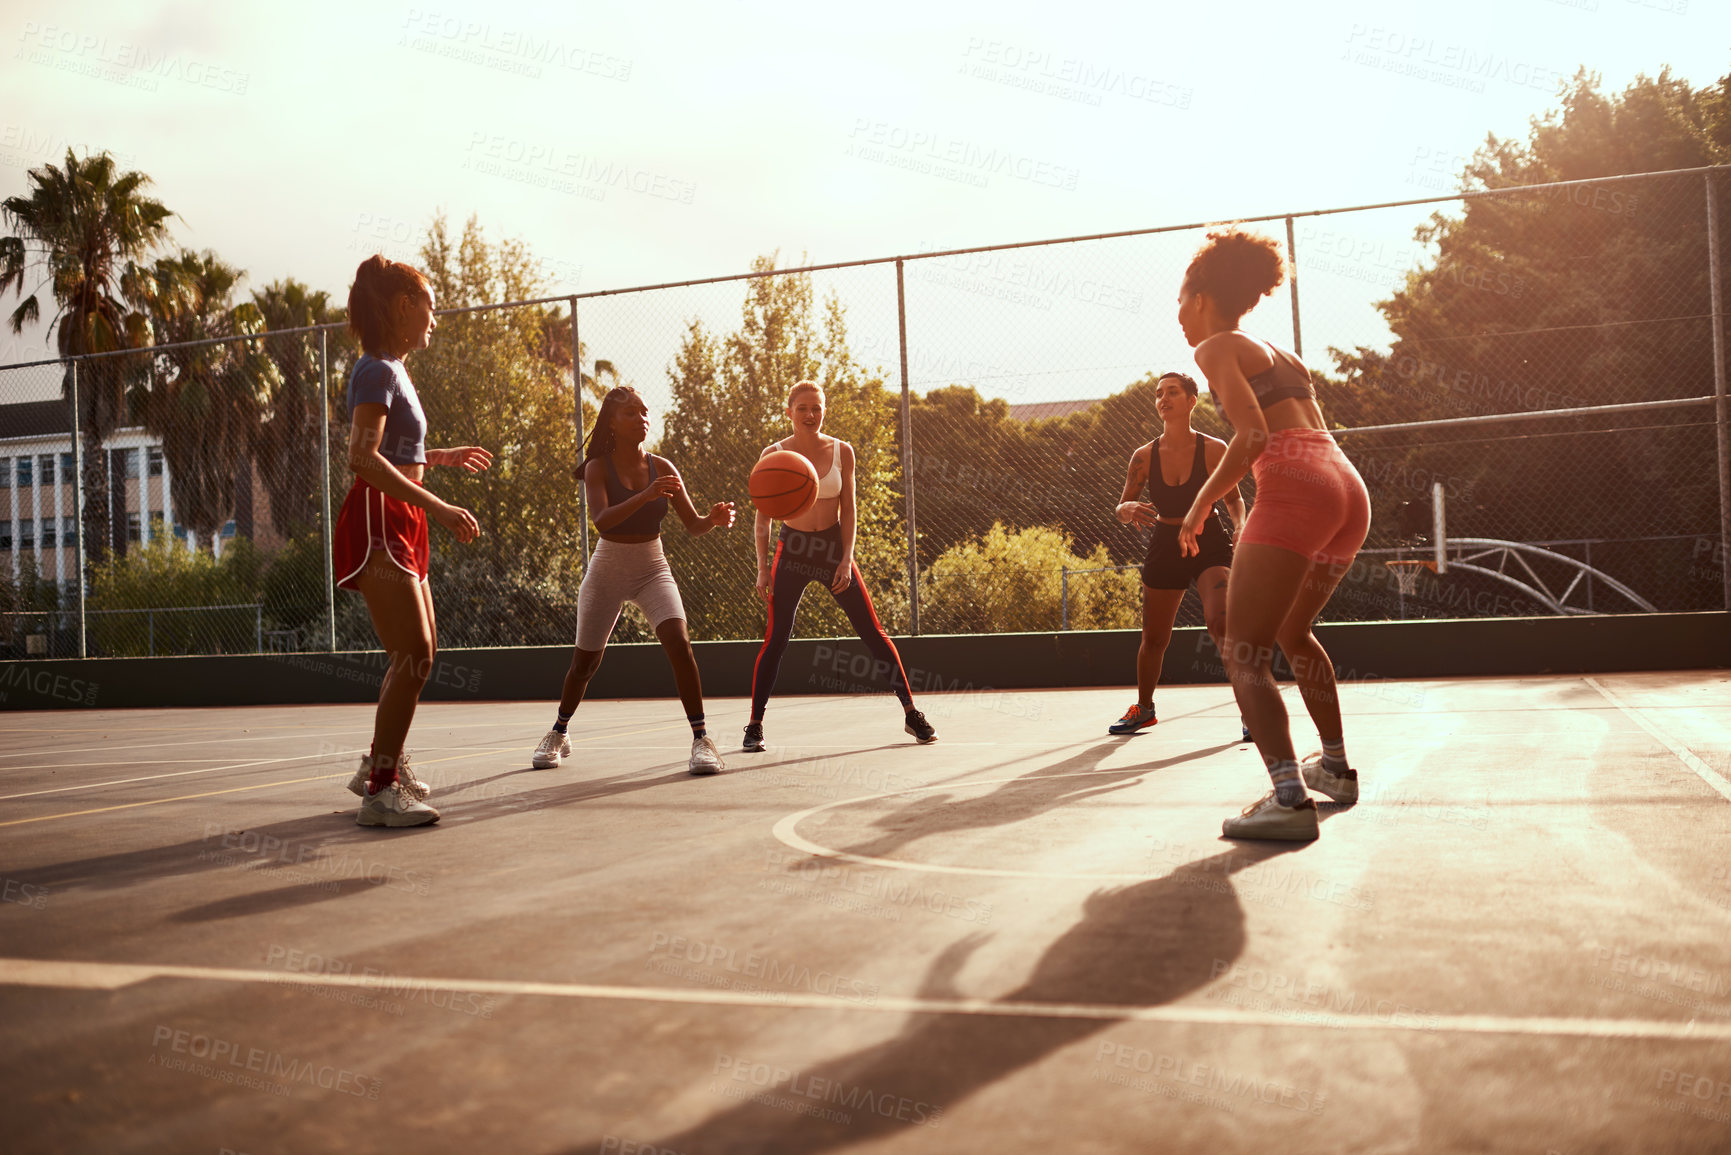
(1342, 787)
(705, 758)
(1267, 818)
(394, 806)
(405, 778)
(552, 748)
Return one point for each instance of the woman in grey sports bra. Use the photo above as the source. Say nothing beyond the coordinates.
(629, 566)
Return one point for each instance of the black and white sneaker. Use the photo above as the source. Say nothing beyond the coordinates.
(753, 743)
(920, 728)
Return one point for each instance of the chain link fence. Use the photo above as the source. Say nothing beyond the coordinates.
(1543, 358)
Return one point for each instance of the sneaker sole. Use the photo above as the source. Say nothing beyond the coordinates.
(757, 749)
(400, 820)
(1333, 796)
(704, 771)
(1270, 834)
(917, 738)
(1114, 730)
(541, 763)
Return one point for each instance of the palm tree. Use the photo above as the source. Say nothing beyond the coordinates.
(206, 401)
(289, 437)
(85, 227)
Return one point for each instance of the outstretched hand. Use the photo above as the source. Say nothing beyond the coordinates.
(721, 514)
(468, 457)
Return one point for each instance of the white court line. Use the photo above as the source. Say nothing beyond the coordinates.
(100, 976)
(1703, 771)
(179, 773)
(359, 728)
(785, 831)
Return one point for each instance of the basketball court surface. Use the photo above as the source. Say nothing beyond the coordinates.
(1028, 936)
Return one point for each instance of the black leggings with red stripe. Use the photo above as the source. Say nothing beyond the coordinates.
(800, 559)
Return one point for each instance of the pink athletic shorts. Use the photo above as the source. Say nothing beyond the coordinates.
(1309, 498)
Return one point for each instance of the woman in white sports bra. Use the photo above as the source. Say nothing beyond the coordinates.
(817, 546)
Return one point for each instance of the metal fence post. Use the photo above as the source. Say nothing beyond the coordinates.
(325, 487)
(1292, 280)
(577, 415)
(1721, 404)
(908, 455)
(78, 510)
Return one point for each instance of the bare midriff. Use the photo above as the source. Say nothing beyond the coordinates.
(825, 511)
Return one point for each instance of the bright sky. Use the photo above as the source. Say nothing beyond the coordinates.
(630, 144)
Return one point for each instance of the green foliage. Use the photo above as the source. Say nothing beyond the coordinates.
(1012, 580)
(81, 229)
(206, 401)
(497, 379)
(170, 580)
(28, 602)
(1553, 299)
(729, 402)
(288, 437)
(974, 466)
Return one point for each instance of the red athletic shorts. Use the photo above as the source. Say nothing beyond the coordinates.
(1309, 498)
(371, 519)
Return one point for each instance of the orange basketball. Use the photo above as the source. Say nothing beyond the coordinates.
(783, 484)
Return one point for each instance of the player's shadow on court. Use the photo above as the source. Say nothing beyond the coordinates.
(1141, 945)
(1072, 780)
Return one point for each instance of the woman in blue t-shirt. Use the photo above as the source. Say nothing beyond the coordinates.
(379, 545)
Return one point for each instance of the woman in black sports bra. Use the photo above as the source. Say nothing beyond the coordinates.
(1179, 452)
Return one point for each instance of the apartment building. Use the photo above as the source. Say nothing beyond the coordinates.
(38, 495)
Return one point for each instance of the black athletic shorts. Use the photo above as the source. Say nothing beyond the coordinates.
(1166, 569)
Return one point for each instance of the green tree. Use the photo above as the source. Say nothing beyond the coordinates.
(161, 598)
(206, 401)
(1013, 581)
(28, 602)
(84, 227)
(1558, 298)
(729, 402)
(501, 379)
(288, 437)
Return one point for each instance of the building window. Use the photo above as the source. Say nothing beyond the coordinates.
(68, 531)
(5, 473)
(24, 472)
(228, 528)
(45, 468)
(180, 533)
(5, 535)
(26, 533)
(156, 526)
(48, 528)
(67, 469)
(154, 457)
(132, 527)
(125, 462)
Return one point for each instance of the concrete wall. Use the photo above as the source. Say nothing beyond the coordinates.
(1428, 649)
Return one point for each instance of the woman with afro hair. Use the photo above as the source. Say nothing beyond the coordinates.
(1310, 518)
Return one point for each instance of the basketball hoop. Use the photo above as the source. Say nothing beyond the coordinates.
(1406, 572)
